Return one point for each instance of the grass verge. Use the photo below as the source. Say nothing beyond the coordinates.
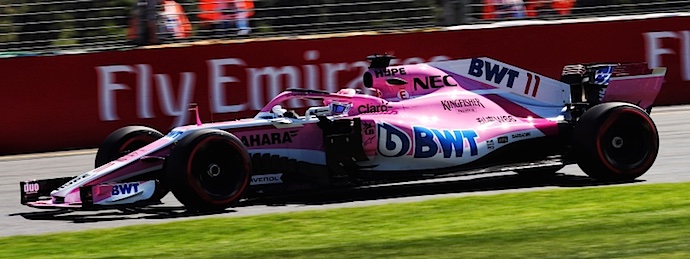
(641, 221)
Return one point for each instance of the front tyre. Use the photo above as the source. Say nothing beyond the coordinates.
(125, 140)
(208, 170)
(615, 141)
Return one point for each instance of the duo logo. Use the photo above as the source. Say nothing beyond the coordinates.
(393, 142)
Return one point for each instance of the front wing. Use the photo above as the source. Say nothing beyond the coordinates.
(36, 193)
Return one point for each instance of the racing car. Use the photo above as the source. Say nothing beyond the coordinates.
(410, 122)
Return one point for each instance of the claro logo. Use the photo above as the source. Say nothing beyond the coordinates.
(373, 108)
(226, 77)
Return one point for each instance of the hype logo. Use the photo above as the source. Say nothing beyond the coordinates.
(393, 142)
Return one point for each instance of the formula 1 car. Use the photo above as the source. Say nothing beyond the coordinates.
(437, 119)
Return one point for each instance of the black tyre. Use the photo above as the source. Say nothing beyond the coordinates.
(208, 170)
(125, 140)
(615, 141)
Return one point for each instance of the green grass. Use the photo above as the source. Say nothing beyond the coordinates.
(641, 221)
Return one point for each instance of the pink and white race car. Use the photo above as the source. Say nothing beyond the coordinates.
(418, 121)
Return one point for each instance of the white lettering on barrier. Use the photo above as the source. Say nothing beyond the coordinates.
(217, 90)
(311, 74)
(655, 50)
(144, 92)
(107, 86)
(272, 76)
(166, 97)
(262, 84)
(357, 81)
(330, 72)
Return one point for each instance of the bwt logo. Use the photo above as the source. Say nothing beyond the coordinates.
(393, 142)
(125, 188)
(492, 73)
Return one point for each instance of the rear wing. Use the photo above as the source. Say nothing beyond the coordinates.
(636, 88)
(612, 82)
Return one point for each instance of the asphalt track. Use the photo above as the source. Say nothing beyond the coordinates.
(672, 165)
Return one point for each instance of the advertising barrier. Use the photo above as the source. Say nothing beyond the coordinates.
(74, 101)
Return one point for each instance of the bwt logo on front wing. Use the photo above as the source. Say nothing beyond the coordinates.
(124, 189)
(393, 142)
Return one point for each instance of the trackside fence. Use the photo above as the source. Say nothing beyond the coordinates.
(60, 26)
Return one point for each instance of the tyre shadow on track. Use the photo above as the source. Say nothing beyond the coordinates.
(153, 212)
(333, 196)
(481, 184)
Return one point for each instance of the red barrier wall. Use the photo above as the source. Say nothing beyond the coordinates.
(74, 101)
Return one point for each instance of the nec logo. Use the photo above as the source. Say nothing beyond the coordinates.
(484, 69)
(125, 188)
(434, 82)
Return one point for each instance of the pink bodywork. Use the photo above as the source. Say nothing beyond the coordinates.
(446, 98)
(641, 90)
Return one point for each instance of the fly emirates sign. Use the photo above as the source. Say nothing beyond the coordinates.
(224, 79)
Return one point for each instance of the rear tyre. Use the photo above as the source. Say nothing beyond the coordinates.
(208, 170)
(126, 140)
(615, 141)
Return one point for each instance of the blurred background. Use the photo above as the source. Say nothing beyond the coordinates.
(61, 26)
